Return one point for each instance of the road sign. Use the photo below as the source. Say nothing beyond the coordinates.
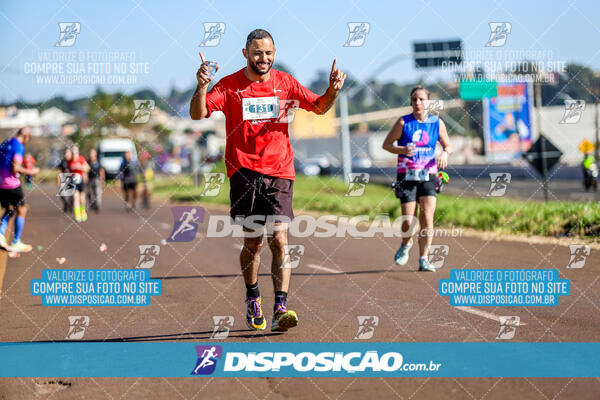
(542, 156)
(586, 146)
(543, 152)
(436, 54)
(477, 90)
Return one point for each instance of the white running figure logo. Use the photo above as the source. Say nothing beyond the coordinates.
(187, 217)
(207, 361)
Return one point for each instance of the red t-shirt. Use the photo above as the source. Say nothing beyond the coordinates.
(76, 165)
(257, 120)
(29, 162)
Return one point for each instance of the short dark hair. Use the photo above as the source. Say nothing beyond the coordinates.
(258, 34)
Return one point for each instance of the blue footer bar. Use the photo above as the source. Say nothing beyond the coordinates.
(234, 359)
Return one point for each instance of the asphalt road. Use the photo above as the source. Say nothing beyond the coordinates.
(337, 280)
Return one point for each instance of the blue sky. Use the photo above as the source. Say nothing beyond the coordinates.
(166, 35)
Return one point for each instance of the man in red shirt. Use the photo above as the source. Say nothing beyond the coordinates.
(260, 159)
(29, 163)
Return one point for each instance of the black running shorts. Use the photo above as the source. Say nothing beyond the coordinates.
(260, 196)
(11, 197)
(408, 191)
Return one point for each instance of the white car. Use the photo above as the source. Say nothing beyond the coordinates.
(362, 162)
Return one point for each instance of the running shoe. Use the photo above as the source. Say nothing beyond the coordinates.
(20, 247)
(283, 319)
(83, 216)
(254, 315)
(401, 256)
(425, 266)
(3, 242)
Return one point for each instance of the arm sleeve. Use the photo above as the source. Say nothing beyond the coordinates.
(215, 99)
(19, 154)
(307, 99)
(120, 173)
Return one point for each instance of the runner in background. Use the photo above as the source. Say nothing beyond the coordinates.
(416, 135)
(590, 172)
(127, 174)
(11, 195)
(79, 166)
(95, 182)
(63, 167)
(28, 163)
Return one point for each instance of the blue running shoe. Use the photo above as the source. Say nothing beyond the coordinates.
(401, 256)
(425, 266)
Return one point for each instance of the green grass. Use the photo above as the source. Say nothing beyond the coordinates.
(46, 175)
(503, 215)
(514, 216)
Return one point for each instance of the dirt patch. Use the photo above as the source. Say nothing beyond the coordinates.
(49, 385)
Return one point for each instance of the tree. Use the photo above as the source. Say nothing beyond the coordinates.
(282, 67)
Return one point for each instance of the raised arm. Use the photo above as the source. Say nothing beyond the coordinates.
(336, 81)
(198, 108)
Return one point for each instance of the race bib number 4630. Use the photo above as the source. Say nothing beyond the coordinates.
(260, 107)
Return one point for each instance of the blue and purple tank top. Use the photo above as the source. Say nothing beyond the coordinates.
(425, 136)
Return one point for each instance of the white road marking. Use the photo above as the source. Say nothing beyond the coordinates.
(320, 268)
(482, 313)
